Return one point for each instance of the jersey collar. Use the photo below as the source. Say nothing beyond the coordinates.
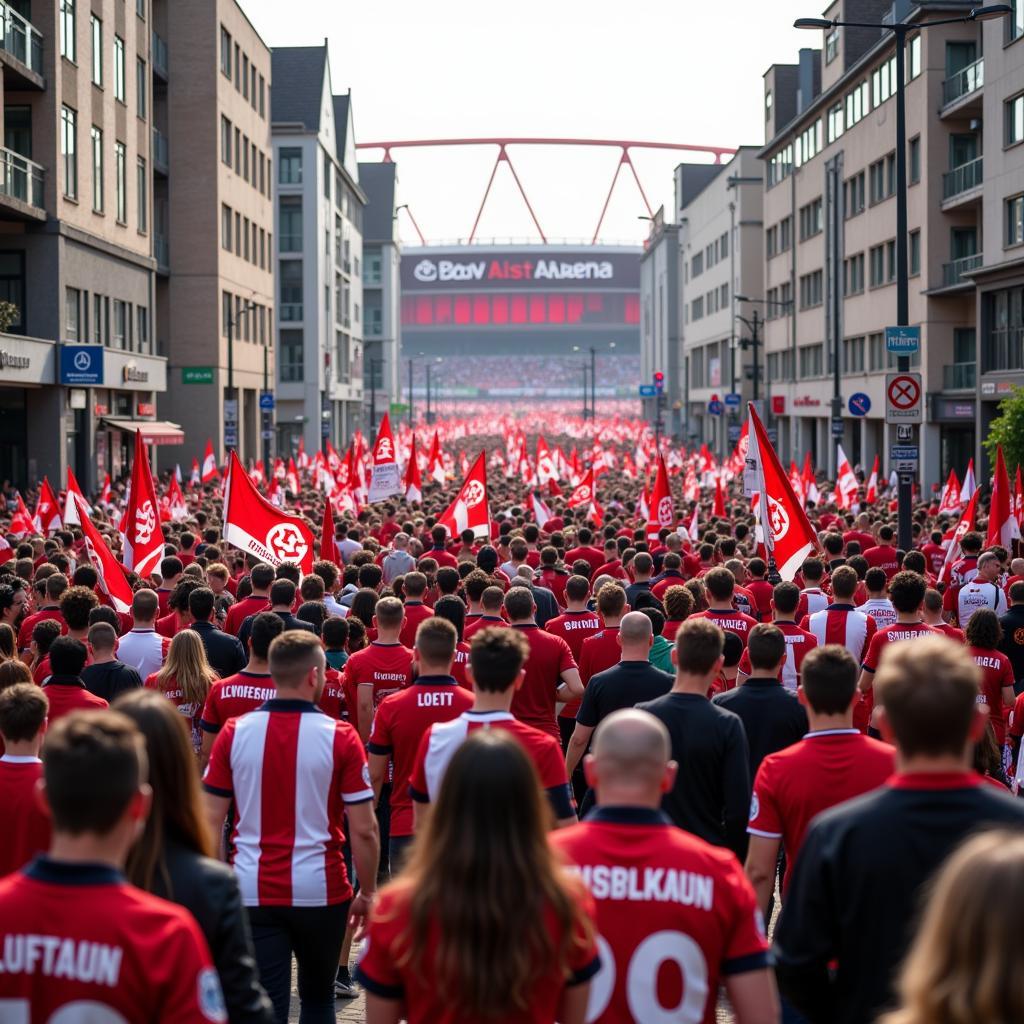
(489, 716)
(58, 872)
(837, 607)
(831, 732)
(288, 704)
(934, 780)
(20, 759)
(435, 681)
(617, 815)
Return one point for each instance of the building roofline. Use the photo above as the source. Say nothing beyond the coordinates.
(255, 30)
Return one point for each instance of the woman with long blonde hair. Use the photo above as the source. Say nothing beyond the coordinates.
(185, 680)
(962, 967)
(484, 924)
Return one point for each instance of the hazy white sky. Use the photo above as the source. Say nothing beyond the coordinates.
(659, 70)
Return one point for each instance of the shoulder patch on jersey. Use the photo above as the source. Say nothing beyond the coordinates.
(755, 806)
(211, 998)
(366, 774)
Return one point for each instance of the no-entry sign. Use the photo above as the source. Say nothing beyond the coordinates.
(903, 398)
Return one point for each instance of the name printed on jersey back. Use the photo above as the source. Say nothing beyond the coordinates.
(56, 957)
(649, 884)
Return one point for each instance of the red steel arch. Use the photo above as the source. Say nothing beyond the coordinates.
(625, 145)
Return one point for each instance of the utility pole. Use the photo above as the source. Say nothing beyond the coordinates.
(412, 418)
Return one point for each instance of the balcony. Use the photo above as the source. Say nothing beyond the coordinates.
(961, 184)
(291, 312)
(22, 46)
(162, 252)
(953, 274)
(959, 376)
(160, 153)
(159, 57)
(21, 187)
(963, 86)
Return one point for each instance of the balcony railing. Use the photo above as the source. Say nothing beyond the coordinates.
(20, 178)
(962, 179)
(20, 39)
(953, 273)
(964, 82)
(291, 311)
(959, 376)
(161, 153)
(159, 56)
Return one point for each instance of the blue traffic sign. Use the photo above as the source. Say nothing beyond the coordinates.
(266, 399)
(903, 341)
(860, 404)
(647, 391)
(81, 365)
(715, 407)
(733, 400)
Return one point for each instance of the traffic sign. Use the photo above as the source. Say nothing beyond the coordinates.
(231, 408)
(904, 457)
(197, 375)
(733, 400)
(266, 399)
(904, 432)
(734, 433)
(267, 435)
(715, 407)
(647, 391)
(837, 426)
(860, 404)
(902, 341)
(230, 435)
(903, 398)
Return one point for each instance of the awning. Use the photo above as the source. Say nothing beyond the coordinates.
(153, 431)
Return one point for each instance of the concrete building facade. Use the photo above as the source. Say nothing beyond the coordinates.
(660, 347)
(319, 253)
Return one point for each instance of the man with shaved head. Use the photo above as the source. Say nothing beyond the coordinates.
(660, 892)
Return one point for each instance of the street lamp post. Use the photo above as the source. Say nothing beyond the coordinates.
(375, 364)
(899, 30)
(412, 418)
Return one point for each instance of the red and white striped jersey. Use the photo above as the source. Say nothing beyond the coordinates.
(290, 769)
(798, 643)
(812, 599)
(144, 650)
(881, 610)
(843, 624)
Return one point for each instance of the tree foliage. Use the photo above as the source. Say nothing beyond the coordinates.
(1007, 429)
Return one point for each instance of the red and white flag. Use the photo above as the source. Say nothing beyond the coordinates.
(583, 492)
(788, 535)
(291, 477)
(951, 493)
(6, 551)
(1003, 527)
(255, 525)
(105, 490)
(545, 462)
(413, 478)
(693, 531)
(1018, 497)
(872, 492)
(209, 472)
(113, 581)
(143, 535)
(846, 482)
(328, 542)
(663, 511)
(47, 518)
(21, 521)
(385, 476)
(435, 464)
(954, 552)
(176, 504)
(969, 484)
(811, 492)
(470, 510)
(537, 510)
(719, 506)
(70, 505)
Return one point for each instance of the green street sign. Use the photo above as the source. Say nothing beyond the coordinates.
(197, 375)
(398, 409)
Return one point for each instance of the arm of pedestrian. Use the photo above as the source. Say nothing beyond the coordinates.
(365, 840)
(577, 746)
(378, 773)
(762, 860)
(571, 687)
(365, 702)
(754, 997)
(573, 1009)
(216, 811)
(383, 1011)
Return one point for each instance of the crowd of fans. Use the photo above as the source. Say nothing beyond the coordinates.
(485, 372)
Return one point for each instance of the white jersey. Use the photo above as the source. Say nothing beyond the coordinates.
(143, 650)
(975, 595)
(881, 610)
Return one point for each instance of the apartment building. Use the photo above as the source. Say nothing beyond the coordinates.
(319, 253)
(660, 320)
(721, 263)
(382, 291)
(78, 369)
(213, 221)
(830, 247)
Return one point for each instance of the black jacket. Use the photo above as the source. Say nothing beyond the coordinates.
(209, 890)
(289, 620)
(110, 679)
(223, 651)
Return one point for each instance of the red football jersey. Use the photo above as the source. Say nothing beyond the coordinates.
(192, 710)
(332, 701)
(895, 633)
(822, 770)
(534, 702)
(26, 825)
(599, 652)
(398, 727)
(844, 625)
(382, 970)
(415, 613)
(78, 943)
(387, 667)
(70, 696)
(574, 628)
(481, 622)
(996, 673)
(241, 610)
(459, 663)
(237, 695)
(884, 557)
(664, 897)
(733, 622)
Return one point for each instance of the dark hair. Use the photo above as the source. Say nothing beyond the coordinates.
(67, 656)
(766, 646)
(75, 605)
(720, 583)
(844, 582)
(732, 650)
(313, 612)
(786, 597)
(363, 606)
(23, 710)
(906, 591)
(335, 632)
(519, 603)
(874, 579)
(44, 633)
(496, 656)
(282, 591)
(699, 644)
(200, 604)
(436, 640)
(262, 575)
(265, 627)
(451, 608)
(292, 655)
(983, 629)
(828, 675)
(145, 605)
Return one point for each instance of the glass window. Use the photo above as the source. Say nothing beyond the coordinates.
(1015, 220)
(890, 260)
(915, 253)
(97, 51)
(1015, 22)
(835, 122)
(289, 167)
(97, 169)
(120, 160)
(768, 105)
(328, 175)
(98, 307)
(140, 8)
(120, 323)
(140, 86)
(225, 51)
(914, 57)
(245, 76)
(225, 140)
(142, 315)
(263, 112)
(69, 150)
(225, 313)
(1015, 120)
(119, 68)
(68, 43)
(291, 356)
(877, 261)
(72, 314)
(290, 276)
(832, 46)
(914, 160)
(290, 230)
(142, 187)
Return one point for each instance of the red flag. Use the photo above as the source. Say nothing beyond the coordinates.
(545, 462)
(328, 543)
(176, 504)
(554, 491)
(583, 492)
(255, 525)
(105, 490)
(950, 494)
(1003, 527)
(21, 521)
(470, 509)
(413, 478)
(385, 476)
(113, 581)
(846, 482)
(6, 551)
(47, 518)
(954, 551)
(143, 535)
(663, 512)
(435, 464)
(719, 509)
(70, 506)
(969, 486)
(788, 534)
(872, 493)
(1018, 497)
(209, 472)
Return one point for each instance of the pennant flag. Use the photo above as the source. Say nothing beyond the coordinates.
(1003, 527)
(663, 512)
(113, 581)
(385, 476)
(969, 485)
(545, 462)
(105, 490)
(583, 492)
(291, 477)
(6, 551)
(719, 508)
(435, 464)
(539, 512)
(328, 542)
(47, 517)
(413, 478)
(693, 531)
(21, 521)
(954, 552)
(143, 535)
(846, 482)
(253, 524)
(788, 535)
(872, 492)
(70, 505)
(176, 504)
(470, 509)
(951, 494)
(209, 472)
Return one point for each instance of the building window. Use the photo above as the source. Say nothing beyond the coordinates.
(768, 105)
(1015, 120)
(697, 308)
(913, 58)
(238, 151)
(858, 104)
(245, 77)
(142, 184)
(890, 261)
(883, 82)
(225, 140)
(290, 227)
(238, 65)
(810, 220)
(877, 262)
(140, 8)
(810, 290)
(785, 233)
(1015, 220)
(98, 307)
(291, 357)
(853, 274)
(808, 144)
(697, 265)
(140, 85)
(832, 46)
(914, 160)
(771, 241)
(853, 195)
(69, 150)
(1015, 22)
(914, 256)
(835, 122)
(142, 314)
(68, 43)
(290, 277)
(238, 234)
(289, 167)
(97, 51)
(118, 68)
(225, 313)
(97, 169)
(853, 355)
(882, 175)
(225, 51)
(263, 112)
(780, 166)
(72, 314)
(120, 323)
(811, 360)
(120, 161)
